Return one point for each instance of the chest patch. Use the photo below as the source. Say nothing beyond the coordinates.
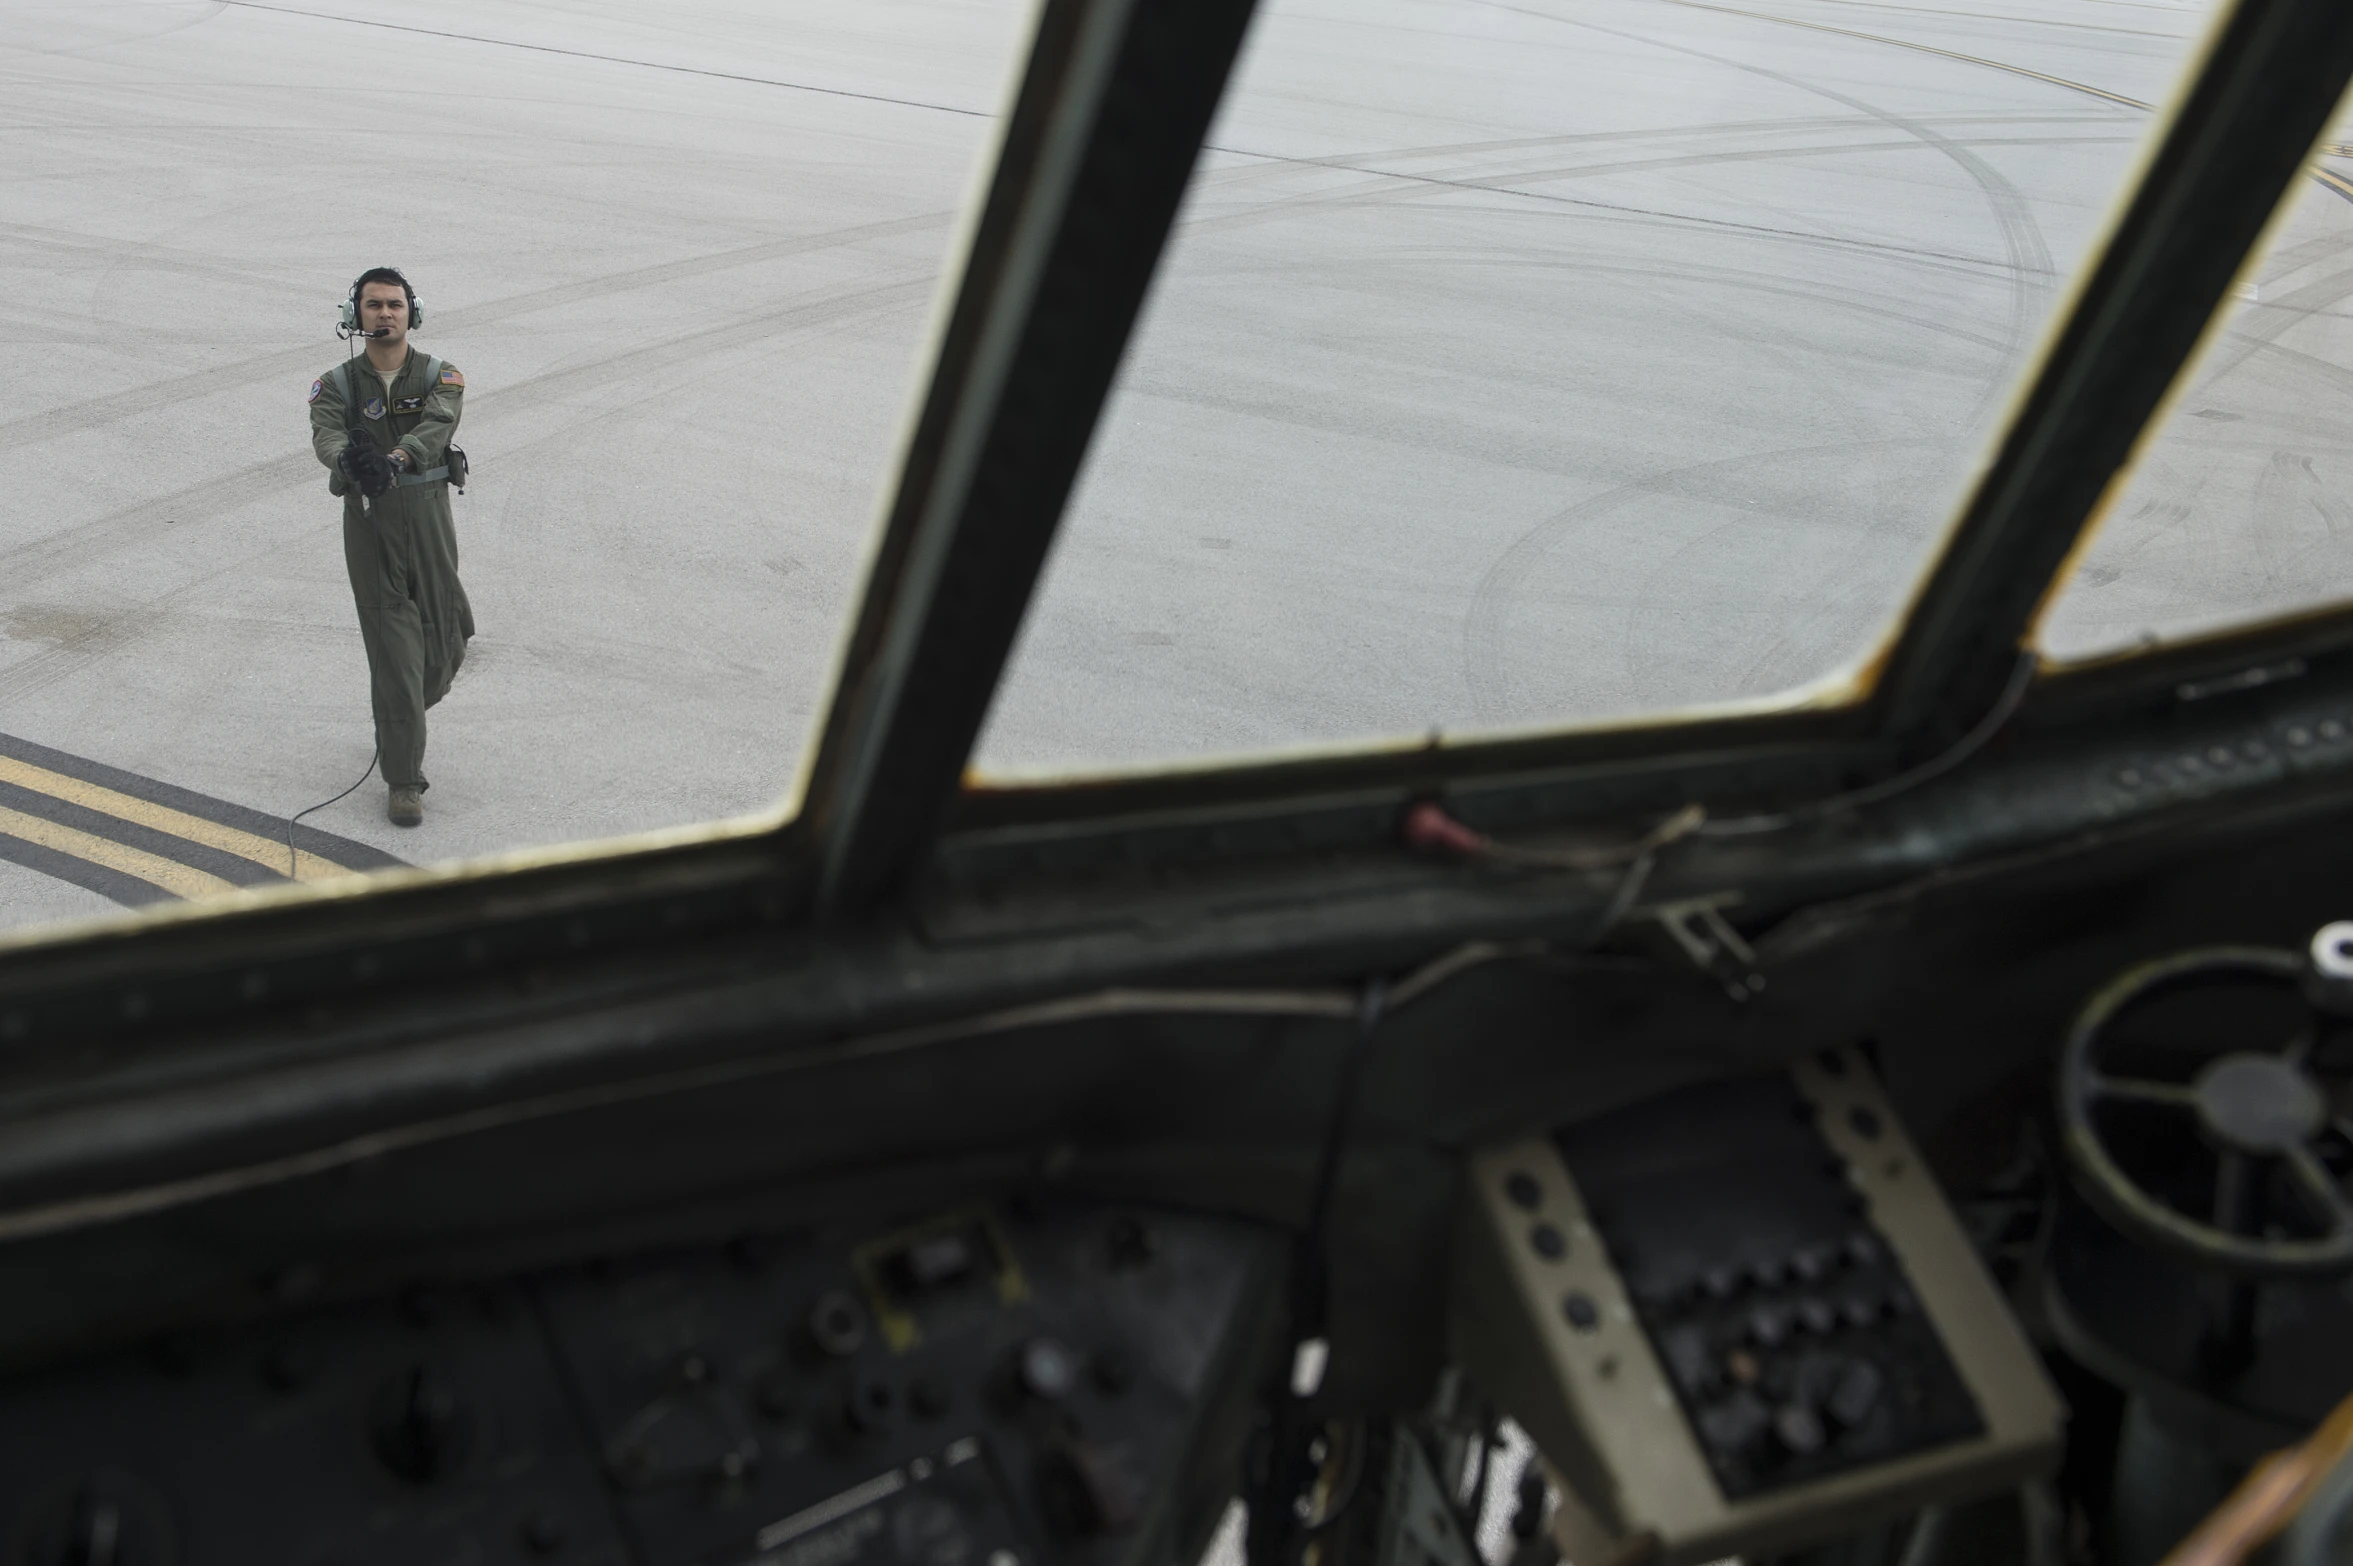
(373, 408)
(407, 404)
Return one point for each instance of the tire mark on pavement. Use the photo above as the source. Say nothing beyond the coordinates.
(2325, 177)
(1383, 186)
(1512, 183)
(1266, 163)
(2033, 276)
(615, 59)
(2262, 323)
(1989, 16)
(1849, 604)
(301, 363)
(163, 258)
(1487, 637)
(1446, 436)
(119, 530)
(1921, 48)
(108, 635)
(2032, 283)
(19, 51)
(2289, 493)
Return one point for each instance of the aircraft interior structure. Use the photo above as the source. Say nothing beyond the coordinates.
(1908, 1127)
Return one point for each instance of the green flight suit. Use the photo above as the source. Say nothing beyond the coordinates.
(402, 552)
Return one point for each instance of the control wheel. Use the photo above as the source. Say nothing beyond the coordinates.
(2280, 1140)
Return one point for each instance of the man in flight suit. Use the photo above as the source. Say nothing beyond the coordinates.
(399, 540)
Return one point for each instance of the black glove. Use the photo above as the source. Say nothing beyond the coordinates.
(365, 464)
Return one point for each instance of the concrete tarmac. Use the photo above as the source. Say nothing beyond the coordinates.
(1517, 363)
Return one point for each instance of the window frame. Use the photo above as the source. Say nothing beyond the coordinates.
(2261, 93)
(1093, 160)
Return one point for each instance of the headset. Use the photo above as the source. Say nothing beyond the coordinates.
(347, 319)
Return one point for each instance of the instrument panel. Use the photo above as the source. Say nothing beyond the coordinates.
(1741, 1317)
(970, 1390)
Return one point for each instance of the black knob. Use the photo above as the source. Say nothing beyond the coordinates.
(1046, 1370)
(418, 1425)
(1734, 1426)
(1856, 1393)
(1799, 1430)
(870, 1406)
(837, 1325)
(2328, 969)
(1768, 1325)
(1129, 1243)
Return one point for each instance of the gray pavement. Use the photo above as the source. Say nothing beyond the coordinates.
(1518, 362)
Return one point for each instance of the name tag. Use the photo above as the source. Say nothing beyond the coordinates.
(408, 404)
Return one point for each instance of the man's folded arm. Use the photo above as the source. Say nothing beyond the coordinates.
(428, 443)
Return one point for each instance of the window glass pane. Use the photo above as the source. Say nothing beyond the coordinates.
(2241, 506)
(1558, 360)
(683, 257)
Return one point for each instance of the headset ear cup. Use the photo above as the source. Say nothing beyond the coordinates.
(349, 314)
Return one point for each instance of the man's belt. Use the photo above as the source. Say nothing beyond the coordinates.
(429, 476)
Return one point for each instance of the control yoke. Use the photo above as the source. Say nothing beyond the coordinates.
(2279, 1209)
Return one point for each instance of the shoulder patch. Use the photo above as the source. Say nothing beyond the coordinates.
(450, 377)
(315, 388)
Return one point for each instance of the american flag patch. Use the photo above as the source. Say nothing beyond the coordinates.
(450, 377)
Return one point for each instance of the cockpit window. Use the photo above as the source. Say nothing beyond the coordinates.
(1518, 365)
(678, 259)
(2240, 508)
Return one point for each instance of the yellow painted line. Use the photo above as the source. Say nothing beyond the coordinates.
(267, 852)
(178, 879)
(2334, 181)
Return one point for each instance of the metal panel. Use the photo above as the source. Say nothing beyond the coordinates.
(1600, 1405)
